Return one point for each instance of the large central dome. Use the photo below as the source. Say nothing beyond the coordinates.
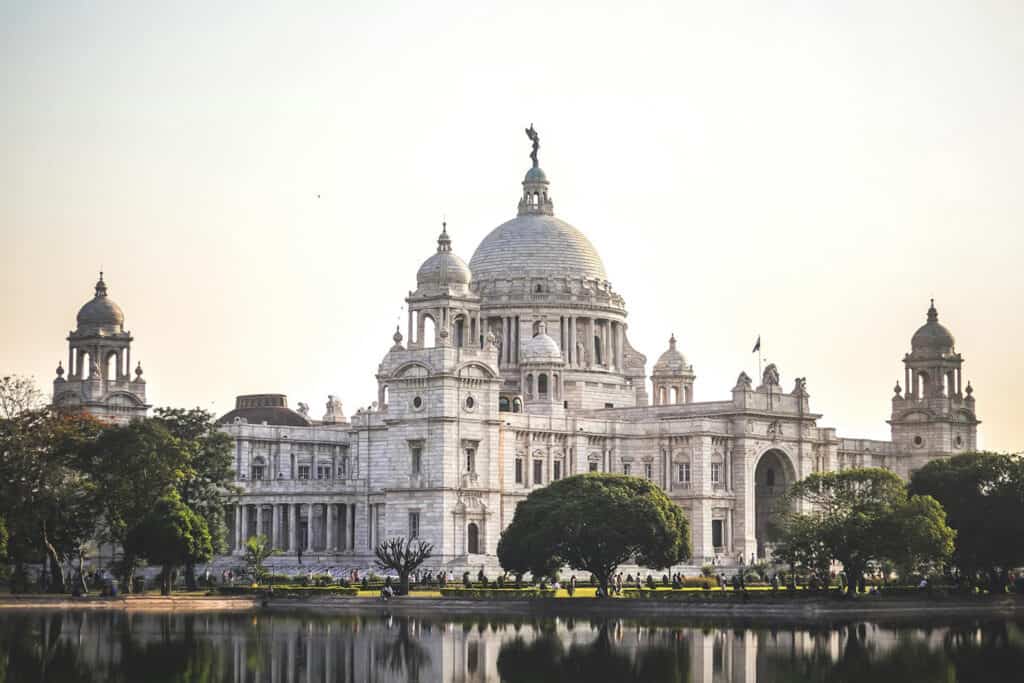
(536, 243)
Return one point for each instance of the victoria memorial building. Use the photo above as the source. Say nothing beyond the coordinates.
(514, 371)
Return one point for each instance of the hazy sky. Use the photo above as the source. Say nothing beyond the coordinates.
(809, 171)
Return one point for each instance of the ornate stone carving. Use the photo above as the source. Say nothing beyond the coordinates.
(743, 382)
(800, 387)
(770, 377)
(333, 411)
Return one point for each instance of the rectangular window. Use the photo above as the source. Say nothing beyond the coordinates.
(343, 467)
(257, 472)
(414, 525)
(716, 533)
(648, 471)
(323, 471)
(558, 471)
(519, 470)
(538, 472)
(684, 473)
(417, 461)
(626, 468)
(716, 473)
(303, 471)
(593, 467)
(470, 460)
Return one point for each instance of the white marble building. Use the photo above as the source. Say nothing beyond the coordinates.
(517, 370)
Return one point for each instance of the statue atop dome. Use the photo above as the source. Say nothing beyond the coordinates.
(535, 139)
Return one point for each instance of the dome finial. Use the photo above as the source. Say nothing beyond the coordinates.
(933, 315)
(101, 286)
(672, 341)
(535, 139)
(444, 242)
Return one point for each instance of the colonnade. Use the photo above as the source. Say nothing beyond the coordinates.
(309, 527)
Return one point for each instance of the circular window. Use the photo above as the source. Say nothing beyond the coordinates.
(918, 441)
(959, 441)
(417, 403)
(470, 403)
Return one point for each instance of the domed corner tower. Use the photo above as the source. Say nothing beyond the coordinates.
(99, 378)
(539, 268)
(935, 416)
(672, 377)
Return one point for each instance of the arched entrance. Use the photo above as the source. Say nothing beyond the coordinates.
(773, 475)
(473, 539)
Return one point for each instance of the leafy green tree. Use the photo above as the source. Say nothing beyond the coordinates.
(171, 535)
(132, 466)
(983, 496)
(49, 504)
(859, 517)
(403, 557)
(257, 550)
(206, 474)
(594, 522)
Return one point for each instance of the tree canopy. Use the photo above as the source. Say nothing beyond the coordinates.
(402, 556)
(983, 496)
(594, 522)
(859, 517)
(170, 535)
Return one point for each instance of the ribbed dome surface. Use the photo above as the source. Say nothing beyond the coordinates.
(933, 337)
(672, 362)
(536, 243)
(542, 349)
(443, 268)
(101, 311)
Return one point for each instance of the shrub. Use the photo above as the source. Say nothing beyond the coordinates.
(496, 593)
(288, 591)
(707, 570)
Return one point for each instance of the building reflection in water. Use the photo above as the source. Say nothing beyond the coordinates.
(308, 648)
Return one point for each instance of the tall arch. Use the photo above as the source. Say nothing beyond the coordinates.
(473, 539)
(774, 473)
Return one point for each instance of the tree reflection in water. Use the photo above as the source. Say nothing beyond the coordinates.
(79, 646)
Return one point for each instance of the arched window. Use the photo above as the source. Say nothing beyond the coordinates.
(517, 405)
(386, 395)
(597, 351)
(554, 386)
(460, 331)
(529, 386)
(922, 381)
(473, 539)
(85, 367)
(429, 332)
(662, 396)
(542, 385)
(675, 395)
(113, 365)
(950, 384)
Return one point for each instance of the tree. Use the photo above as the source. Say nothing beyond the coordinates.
(206, 474)
(594, 522)
(49, 504)
(861, 516)
(403, 557)
(132, 466)
(171, 535)
(983, 496)
(18, 394)
(257, 550)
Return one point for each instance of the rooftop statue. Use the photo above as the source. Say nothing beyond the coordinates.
(535, 138)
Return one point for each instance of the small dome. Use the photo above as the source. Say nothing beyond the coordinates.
(542, 349)
(535, 175)
(932, 337)
(101, 311)
(443, 268)
(672, 362)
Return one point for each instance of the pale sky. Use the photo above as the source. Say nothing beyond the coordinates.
(809, 171)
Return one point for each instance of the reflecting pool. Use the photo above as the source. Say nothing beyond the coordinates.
(302, 647)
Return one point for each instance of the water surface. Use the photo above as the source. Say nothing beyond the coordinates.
(259, 647)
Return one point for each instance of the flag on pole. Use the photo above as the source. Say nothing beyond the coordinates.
(757, 346)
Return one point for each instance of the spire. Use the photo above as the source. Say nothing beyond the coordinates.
(444, 243)
(101, 286)
(672, 342)
(933, 315)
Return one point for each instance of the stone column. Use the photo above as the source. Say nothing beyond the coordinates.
(259, 519)
(238, 528)
(275, 519)
(328, 514)
(309, 527)
(589, 342)
(620, 347)
(293, 514)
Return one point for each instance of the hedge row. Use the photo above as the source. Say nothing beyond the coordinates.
(497, 593)
(288, 591)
